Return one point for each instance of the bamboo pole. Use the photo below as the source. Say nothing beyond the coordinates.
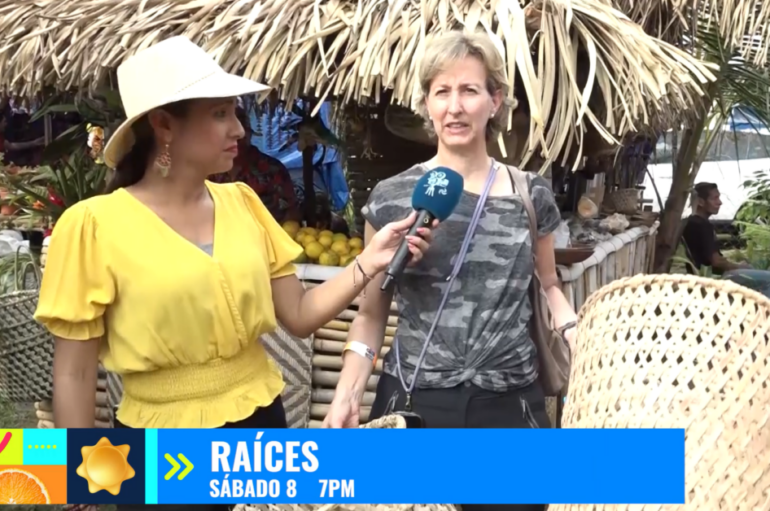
(329, 379)
(325, 396)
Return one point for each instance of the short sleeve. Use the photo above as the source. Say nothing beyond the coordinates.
(372, 207)
(281, 249)
(390, 200)
(546, 209)
(77, 285)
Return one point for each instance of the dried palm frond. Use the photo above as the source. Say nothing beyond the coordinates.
(664, 19)
(352, 50)
(742, 24)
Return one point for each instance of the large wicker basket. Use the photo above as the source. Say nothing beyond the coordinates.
(678, 351)
(26, 348)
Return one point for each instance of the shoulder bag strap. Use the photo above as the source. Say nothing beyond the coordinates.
(522, 188)
(450, 281)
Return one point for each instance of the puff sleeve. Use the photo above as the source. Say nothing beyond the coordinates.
(77, 285)
(281, 249)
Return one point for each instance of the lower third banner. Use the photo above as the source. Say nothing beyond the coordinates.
(491, 466)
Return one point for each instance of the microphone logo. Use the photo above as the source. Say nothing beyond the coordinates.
(436, 180)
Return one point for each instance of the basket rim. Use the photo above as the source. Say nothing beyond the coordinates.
(642, 279)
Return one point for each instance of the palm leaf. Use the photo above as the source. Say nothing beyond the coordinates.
(352, 50)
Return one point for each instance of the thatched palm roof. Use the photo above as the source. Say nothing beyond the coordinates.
(743, 25)
(355, 49)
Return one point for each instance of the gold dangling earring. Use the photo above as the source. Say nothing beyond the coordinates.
(163, 162)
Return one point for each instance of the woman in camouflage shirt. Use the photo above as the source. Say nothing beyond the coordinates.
(481, 367)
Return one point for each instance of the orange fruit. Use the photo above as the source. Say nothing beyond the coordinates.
(20, 487)
(326, 241)
(340, 247)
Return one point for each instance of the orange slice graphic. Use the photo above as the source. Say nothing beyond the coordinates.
(20, 487)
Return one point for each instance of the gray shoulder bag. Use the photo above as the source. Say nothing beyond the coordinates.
(553, 352)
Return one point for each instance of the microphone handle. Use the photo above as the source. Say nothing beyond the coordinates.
(403, 256)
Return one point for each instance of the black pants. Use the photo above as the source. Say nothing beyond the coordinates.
(270, 417)
(468, 406)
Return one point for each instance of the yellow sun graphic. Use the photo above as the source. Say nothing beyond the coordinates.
(105, 466)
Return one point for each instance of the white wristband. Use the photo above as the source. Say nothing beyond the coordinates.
(362, 349)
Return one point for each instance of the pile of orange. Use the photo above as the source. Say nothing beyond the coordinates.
(324, 247)
(20, 487)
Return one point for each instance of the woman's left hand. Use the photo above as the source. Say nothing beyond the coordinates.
(382, 247)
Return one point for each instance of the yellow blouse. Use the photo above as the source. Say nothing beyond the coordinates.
(180, 326)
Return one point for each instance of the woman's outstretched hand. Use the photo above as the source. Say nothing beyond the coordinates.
(382, 247)
(344, 410)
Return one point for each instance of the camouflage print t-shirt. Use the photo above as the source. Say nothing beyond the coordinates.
(482, 335)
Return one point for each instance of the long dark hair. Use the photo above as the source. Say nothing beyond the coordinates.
(131, 168)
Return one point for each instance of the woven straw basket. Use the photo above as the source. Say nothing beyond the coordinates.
(386, 422)
(26, 348)
(678, 351)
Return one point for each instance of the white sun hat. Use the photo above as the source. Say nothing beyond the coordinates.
(172, 70)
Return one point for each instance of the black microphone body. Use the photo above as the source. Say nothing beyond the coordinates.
(403, 256)
(435, 196)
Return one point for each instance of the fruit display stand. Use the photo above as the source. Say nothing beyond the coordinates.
(323, 247)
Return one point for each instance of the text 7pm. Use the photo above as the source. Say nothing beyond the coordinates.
(339, 488)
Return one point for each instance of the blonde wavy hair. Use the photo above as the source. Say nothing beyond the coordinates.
(450, 47)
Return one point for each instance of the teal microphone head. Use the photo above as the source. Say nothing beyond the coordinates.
(438, 192)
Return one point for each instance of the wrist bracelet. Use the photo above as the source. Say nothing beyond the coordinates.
(358, 267)
(362, 349)
(361, 269)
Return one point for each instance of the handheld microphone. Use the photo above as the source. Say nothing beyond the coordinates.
(435, 196)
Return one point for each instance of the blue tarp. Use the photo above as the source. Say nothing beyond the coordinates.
(329, 176)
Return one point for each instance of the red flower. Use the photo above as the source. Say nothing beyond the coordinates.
(54, 198)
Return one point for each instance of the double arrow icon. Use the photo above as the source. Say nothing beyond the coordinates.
(176, 466)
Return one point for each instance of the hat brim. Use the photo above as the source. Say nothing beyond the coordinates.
(217, 85)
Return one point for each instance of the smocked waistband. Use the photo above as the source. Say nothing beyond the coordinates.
(197, 381)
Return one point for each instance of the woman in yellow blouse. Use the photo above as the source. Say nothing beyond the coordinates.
(170, 278)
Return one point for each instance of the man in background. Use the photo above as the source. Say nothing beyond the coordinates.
(700, 241)
(700, 237)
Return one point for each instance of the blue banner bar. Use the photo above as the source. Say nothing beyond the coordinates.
(490, 466)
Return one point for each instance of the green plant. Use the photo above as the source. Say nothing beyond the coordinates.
(102, 109)
(753, 220)
(688, 267)
(48, 190)
(72, 170)
(15, 269)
